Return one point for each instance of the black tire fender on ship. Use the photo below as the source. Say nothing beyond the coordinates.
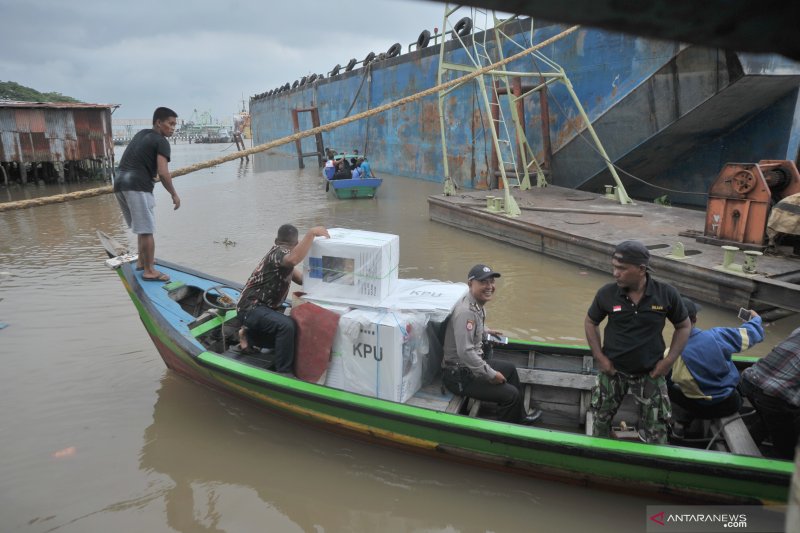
(312, 78)
(286, 86)
(350, 64)
(424, 39)
(303, 80)
(463, 27)
(335, 71)
(295, 84)
(394, 50)
(369, 58)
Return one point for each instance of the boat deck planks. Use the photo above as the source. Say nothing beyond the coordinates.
(736, 436)
(592, 225)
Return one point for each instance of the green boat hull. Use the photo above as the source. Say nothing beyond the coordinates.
(354, 192)
(684, 474)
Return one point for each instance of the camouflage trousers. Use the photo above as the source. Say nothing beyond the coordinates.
(655, 410)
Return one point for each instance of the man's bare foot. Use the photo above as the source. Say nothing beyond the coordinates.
(243, 339)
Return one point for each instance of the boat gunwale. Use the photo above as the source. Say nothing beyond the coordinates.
(511, 434)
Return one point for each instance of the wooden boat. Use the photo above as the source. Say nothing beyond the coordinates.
(350, 188)
(192, 325)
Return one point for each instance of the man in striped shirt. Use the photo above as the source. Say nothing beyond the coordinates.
(772, 385)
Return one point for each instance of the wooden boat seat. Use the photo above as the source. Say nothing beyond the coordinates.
(531, 376)
(457, 404)
(583, 383)
(736, 435)
(553, 378)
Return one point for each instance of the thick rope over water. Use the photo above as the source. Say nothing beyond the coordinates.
(88, 193)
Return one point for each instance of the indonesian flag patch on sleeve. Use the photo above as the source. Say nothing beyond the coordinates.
(470, 325)
(616, 308)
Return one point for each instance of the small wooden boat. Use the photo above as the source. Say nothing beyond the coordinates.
(192, 323)
(348, 187)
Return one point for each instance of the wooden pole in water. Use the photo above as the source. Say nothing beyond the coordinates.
(88, 193)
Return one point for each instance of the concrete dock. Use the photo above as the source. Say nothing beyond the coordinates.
(583, 228)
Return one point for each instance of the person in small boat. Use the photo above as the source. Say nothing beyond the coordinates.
(330, 167)
(631, 357)
(703, 381)
(466, 371)
(366, 169)
(146, 158)
(772, 385)
(356, 173)
(260, 306)
(343, 171)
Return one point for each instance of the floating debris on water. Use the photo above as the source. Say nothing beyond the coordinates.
(226, 241)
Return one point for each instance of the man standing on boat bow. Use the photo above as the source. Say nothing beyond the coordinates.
(632, 354)
(466, 372)
(260, 307)
(145, 161)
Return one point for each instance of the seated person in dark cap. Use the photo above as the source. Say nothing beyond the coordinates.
(703, 382)
(631, 357)
(466, 371)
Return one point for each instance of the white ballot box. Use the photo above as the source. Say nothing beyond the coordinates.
(379, 353)
(353, 266)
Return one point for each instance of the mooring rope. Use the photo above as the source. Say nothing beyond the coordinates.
(88, 193)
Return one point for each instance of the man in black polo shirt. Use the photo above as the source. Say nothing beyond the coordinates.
(632, 355)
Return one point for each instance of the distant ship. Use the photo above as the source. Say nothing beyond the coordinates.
(203, 128)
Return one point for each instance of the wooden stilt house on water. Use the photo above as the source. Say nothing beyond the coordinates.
(55, 141)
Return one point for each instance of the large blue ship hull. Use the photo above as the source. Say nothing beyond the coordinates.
(666, 113)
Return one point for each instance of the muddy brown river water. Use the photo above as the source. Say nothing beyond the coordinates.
(97, 435)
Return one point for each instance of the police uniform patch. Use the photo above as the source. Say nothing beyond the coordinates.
(470, 325)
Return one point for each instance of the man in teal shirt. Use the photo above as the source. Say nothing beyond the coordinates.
(366, 170)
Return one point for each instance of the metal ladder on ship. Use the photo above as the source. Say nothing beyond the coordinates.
(506, 152)
(504, 160)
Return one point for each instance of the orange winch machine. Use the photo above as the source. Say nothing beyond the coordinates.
(740, 199)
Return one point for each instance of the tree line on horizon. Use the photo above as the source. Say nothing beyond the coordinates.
(11, 90)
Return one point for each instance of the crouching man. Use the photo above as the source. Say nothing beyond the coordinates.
(260, 306)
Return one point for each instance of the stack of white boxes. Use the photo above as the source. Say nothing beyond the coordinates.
(381, 345)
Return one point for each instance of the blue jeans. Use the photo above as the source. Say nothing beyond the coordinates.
(268, 328)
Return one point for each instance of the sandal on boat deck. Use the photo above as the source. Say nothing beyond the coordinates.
(161, 277)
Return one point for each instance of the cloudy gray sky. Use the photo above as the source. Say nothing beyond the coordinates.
(193, 54)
